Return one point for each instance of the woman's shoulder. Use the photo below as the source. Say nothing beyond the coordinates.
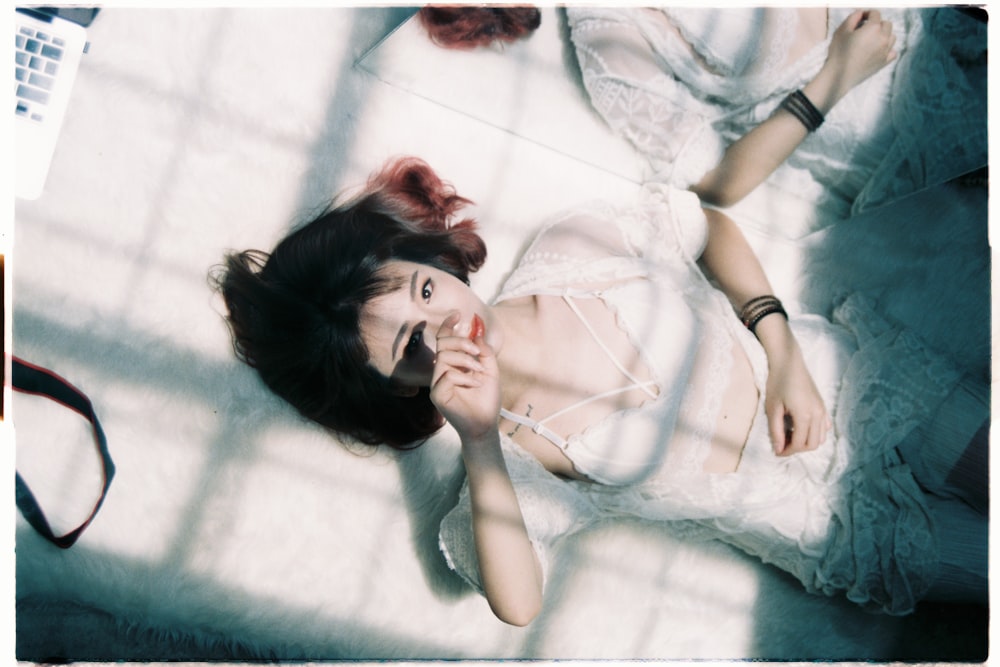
(575, 237)
(600, 242)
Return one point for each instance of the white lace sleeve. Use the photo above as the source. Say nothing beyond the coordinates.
(674, 221)
(666, 221)
(552, 509)
(600, 243)
(629, 87)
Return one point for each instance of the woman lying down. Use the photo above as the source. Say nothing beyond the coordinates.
(610, 377)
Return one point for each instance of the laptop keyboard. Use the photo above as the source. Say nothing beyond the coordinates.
(36, 58)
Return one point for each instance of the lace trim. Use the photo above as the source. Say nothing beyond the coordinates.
(539, 276)
(680, 145)
(724, 44)
(551, 508)
(916, 123)
(848, 516)
(783, 33)
(718, 347)
(736, 90)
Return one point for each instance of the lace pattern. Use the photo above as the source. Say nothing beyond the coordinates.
(551, 508)
(658, 243)
(917, 122)
(702, 415)
(938, 110)
(740, 42)
(848, 517)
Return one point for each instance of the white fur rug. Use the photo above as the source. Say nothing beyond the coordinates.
(233, 530)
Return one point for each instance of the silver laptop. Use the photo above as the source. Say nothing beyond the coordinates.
(48, 50)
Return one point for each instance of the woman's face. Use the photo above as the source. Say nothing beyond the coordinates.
(400, 328)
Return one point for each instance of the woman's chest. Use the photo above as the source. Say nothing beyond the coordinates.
(583, 368)
(597, 356)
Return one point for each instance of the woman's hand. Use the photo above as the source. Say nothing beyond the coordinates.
(861, 46)
(465, 386)
(796, 415)
(797, 418)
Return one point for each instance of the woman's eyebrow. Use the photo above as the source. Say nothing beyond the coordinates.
(402, 329)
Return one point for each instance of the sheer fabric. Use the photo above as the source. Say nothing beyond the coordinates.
(683, 331)
(683, 84)
(846, 517)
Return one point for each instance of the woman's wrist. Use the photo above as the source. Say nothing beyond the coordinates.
(765, 317)
(827, 88)
(482, 448)
(778, 341)
(756, 309)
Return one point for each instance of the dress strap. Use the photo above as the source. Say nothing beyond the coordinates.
(635, 381)
(536, 427)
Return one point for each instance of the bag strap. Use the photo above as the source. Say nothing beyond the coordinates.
(30, 379)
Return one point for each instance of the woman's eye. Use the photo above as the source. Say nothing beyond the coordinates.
(413, 345)
(427, 290)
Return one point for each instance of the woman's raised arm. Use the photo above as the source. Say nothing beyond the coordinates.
(509, 569)
(466, 390)
(862, 45)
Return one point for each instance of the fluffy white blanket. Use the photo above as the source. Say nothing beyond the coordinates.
(234, 529)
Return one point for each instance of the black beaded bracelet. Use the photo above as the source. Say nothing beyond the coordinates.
(764, 312)
(802, 108)
(751, 307)
(758, 308)
(757, 301)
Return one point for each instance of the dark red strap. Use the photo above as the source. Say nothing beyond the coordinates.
(30, 379)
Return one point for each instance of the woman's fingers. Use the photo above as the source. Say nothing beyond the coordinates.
(805, 433)
(447, 339)
(776, 426)
(455, 370)
(795, 430)
(447, 327)
(460, 368)
(891, 37)
(453, 378)
(798, 434)
(855, 19)
(462, 361)
(458, 344)
(861, 46)
(811, 437)
(445, 359)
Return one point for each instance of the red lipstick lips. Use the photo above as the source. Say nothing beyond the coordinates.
(478, 328)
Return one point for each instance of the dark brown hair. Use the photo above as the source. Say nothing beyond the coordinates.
(295, 313)
(466, 27)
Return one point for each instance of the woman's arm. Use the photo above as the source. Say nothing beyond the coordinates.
(796, 414)
(508, 565)
(861, 46)
(466, 389)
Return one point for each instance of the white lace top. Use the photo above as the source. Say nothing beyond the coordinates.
(848, 516)
(682, 84)
(683, 329)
